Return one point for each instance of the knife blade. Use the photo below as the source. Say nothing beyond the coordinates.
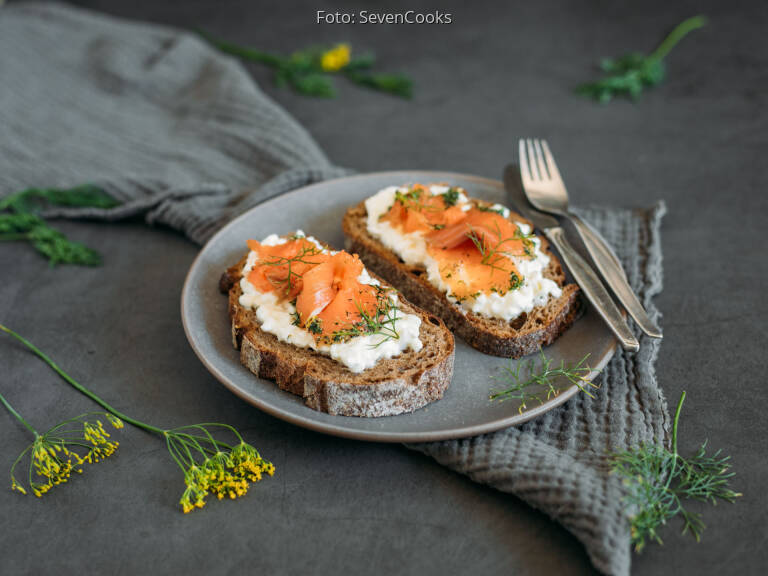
(585, 277)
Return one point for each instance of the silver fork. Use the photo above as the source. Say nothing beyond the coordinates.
(545, 189)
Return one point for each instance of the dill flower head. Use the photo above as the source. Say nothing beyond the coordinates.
(64, 449)
(213, 467)
(336, 58)
(210, 465)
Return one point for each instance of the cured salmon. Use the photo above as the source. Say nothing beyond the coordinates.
(472, 244)
(331, 301)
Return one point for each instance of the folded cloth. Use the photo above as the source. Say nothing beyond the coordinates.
(165, 124)
(560, 461)
(181, 135)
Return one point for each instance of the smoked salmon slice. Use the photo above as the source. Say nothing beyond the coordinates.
(281, 267)
(419, 210)
(333, 297)
(472, 245)
(329, 296)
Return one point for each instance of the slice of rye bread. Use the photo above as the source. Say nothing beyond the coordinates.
(393, 386)
(519, 337)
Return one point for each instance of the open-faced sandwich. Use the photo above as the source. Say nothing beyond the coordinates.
(318, 324)
(475, 264)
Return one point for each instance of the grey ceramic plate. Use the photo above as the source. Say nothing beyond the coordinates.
(318, 209)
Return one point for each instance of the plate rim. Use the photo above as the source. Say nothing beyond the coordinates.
(340, 430)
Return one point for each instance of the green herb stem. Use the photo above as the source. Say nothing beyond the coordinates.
(18, 416)
(680, 31)
(674, 425)
(244, 52)
(79, 387)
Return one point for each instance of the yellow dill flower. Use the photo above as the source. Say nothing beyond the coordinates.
(336, 58)
(53, 455)
(224, 471)
(209, 465)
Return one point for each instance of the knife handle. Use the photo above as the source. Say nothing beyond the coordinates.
(614, 276)
(593, 288)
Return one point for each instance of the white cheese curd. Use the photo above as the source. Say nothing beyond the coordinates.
(412, 249)
(364, 352)
(358, 353)
(437, 189)
(504, 211)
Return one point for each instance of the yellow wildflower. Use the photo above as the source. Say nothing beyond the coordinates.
(225, 474)
(51, 463)
(336, 58)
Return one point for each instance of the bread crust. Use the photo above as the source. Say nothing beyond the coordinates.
(394, 386)
(519, 337)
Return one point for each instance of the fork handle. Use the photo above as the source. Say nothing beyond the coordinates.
(593, 288)
(614, 276)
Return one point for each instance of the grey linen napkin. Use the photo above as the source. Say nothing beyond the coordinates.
(172, 129)
(559, 462)
(181, 135)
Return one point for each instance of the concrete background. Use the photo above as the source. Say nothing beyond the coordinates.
(497, 73)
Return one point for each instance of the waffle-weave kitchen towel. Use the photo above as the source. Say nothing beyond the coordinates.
(172, 129)
(559, 462)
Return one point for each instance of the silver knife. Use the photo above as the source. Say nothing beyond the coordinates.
(585, 277)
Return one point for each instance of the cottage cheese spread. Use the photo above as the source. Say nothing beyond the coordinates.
(358, 353)
(534, 291)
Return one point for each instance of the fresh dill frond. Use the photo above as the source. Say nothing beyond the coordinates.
(35, 199)
(315, 326)
(484, 208)
(492, 254)
(382, 322)
(658, 480)
(633, 72)
(19, 221)
(527, 239)
(310, 71)
(291, 275)
(543, 382)
(409, 199)
(48, 241)
(451, 197)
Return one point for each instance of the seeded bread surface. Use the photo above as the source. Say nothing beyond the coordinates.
(519, 337)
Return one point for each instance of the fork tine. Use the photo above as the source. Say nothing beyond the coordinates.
(540, 160)
(532, 156)
(525, 172)
(551, 164)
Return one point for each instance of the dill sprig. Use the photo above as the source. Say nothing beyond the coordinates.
(382, 322)
(544, 378)
(65, 448)
(492, 254)
(310, 71)
(411, 200)
(34, 199)
(291, 274)
(633, 72)
(19, 221)
(658, 480)
(210, 464)
(451, 197)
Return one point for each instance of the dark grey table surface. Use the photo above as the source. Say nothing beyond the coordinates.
(496, 73)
